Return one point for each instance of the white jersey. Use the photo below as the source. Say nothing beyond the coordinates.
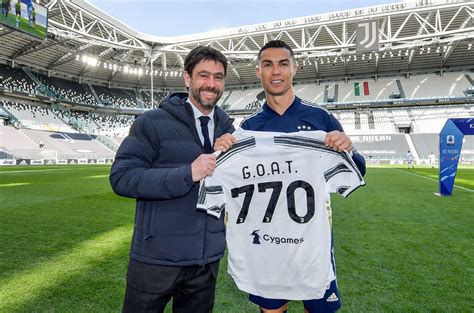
(275, 186)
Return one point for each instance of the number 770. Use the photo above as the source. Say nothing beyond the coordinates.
(277, 186)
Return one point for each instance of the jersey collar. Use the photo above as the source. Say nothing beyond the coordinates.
(290, 111)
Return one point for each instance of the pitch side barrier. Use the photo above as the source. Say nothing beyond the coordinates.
(33, 162)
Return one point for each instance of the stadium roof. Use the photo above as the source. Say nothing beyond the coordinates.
(87, 43)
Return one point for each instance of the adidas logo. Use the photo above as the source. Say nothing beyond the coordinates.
(332, 298)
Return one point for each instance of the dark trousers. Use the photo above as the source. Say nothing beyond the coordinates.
(150, 287)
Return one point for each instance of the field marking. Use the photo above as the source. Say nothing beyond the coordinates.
(49, 170)
(14, 184)
(96, 176)
(464, 188)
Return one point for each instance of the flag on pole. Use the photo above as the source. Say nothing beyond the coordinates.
(357, 88)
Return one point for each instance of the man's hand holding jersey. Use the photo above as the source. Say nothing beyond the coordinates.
(224, 142)
(203, 166)
(339, 141)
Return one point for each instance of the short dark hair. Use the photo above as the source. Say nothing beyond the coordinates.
(203, 53)
(276, 44)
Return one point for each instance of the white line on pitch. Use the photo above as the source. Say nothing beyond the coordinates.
(463, 188)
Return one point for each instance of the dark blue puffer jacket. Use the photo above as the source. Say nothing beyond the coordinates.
(153, 165)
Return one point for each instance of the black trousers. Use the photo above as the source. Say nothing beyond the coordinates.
(150, 287)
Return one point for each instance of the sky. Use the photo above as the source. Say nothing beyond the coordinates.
(166, 18)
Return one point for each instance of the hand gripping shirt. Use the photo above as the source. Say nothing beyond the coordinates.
(274, 187)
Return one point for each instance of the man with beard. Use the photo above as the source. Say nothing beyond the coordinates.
(175, 249)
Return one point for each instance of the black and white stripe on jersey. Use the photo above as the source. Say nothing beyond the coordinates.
(304, 143)
(341, 189)
(214, 190)
(202, 193)
(314, 144)
(340, 168)
(239, 146)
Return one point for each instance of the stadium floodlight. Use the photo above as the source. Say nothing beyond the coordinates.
(469, 47)
(125, 69)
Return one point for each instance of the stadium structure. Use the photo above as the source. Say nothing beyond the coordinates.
(392, 74)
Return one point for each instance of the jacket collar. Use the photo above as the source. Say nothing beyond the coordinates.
(177, 105)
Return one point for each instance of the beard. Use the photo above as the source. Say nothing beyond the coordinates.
(207, 104)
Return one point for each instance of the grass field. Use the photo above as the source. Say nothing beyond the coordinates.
(64, 240)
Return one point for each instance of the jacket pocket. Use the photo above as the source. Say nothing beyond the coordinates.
(144, 219)
(215, 225)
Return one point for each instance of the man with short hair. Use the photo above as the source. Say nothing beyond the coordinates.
(175, 249)
(285, 112)
(432, 160)
(410, 160)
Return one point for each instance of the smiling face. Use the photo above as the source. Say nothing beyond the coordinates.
(205, 84)
(276, 69)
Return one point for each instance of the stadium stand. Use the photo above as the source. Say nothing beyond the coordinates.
(36, 117)
(69, 90)
(120, 98)
(379, 133)
(15, 79)
(158, 96)
(389, 101)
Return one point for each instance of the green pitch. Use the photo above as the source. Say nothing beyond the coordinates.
(64, 240)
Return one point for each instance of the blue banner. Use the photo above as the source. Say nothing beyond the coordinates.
(450, 145)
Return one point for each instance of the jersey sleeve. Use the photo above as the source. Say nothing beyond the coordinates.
(343, 176)
(211, 198)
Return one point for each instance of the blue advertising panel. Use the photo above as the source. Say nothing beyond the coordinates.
(450, 145)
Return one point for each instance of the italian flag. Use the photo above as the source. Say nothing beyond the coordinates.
(357, 88)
